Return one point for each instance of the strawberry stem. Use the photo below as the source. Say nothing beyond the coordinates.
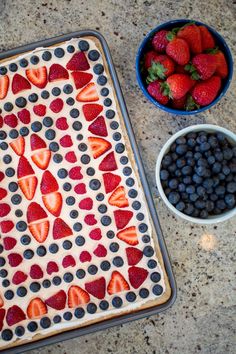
(155, 72)
(191, 105)
(191, 68)
(166, 89)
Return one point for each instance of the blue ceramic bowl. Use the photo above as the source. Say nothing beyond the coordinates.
(146, 46)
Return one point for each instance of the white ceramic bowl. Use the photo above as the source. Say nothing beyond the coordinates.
(165, 149)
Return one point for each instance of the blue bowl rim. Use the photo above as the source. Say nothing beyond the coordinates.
(169, 24)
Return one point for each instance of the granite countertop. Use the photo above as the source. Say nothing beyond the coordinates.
(203, 318)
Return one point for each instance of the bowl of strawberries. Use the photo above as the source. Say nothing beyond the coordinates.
(184, 67)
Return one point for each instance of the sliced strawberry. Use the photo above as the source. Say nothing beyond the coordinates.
(14, 315)
(19, 83)
(28, 186)
(77, 296)
(70, 157)
(91, 111)
(134, 255)
(57, 301)
(9, 243)
(1, 303)
(6, 226)
(81, 79)
(11, 120)
(111, 181)
(108, 163)
(1, 176)
(52, 267)
(36, 142)
(80, 188)
(24, 168)
(56, 105)
(40, 230)
(4, 85)
(85, 256)
(137, 276)
(42, 159)
(122, 218)
(14, 259)
(37, 77)
(40, 110)
(35, 212)
(61, 123)
(88, 94)
(117, 284)
(86, 204)
(95, 234)
(2, 316)
(66, 141)
(75, 173)
(36, 308)
(24, 116)
(68, 261)
(100, 251)
(4, 209)
(48, 183)
(78, 62)
(61, 229)
(53, 203)
(1, 122)
(97, 288)
(19, 277)
(118, 198)
(36, 272)
(90, 219)
(3, 193)
(99, 146)
(57, 72)
(128, 235)
(98, 127)
(18, 145)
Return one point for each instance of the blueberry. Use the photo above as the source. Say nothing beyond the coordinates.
(202, 162)
(105, 265)
(191, 142)
(13, 133)
(200, 204)
(24, 131)
(107, 102)
(20, 102)
(100, 197)
(178, 173)
(92, 269)
(205, 146)
(85, 159)
(104, 305)
(70, 49)
(93, 55)
(118, 262)
(50, 134)
(45, 322)
(70, 101)
(110, 113)
(34, 59)
(221, 176)
(36, 126)
(80, 273)
(146, 239)
(94, 184)
(21, 226)
(46, 283)
(148, 251)
(28, 254)
(67, 244)
(181, 149)
(35, 287)
(202, 138)
(21, 291)
(216, 168)
(82, 147)
(187, 170)
(209, 205)
(173, 183)
(193, 197)
(132, 193)
(226, 170)
(102, 208)
(56, 91)
(114, 125)
(57, 158)
(213, 197)
(7, 159)
(143, 293)
(130, 296)
(79, 137)
(16, 199)
(10, 172)
(174, 197)
(77, 226)
(203, 214)
(180, 206)
(3, 70)
(45, 94)
(208, 183)
(164, 175)
(70, 200)
(181, 187)
(116, 136)
(219, 156)
(79, 312)
(67, 89)
(90, 171)
(3, 273)
(189, 208)
(181, 162)
(152, 264)
(104, 92)
(56, 280)
(33, 97)
(98, 69)
(13, 67)
(114, 247)
(106, 220)
(155, 277)
(59, 52)
(67, 316)
(80, 240)
(140, 216)
(19, 331)
(181, 140)
(2, 262)
(53, 248)
(68, 277)
(41, 251)
(127, 171)
(7, 335)
(213, 141)
(201, 191)
(77, 126)
(110, 234)
(8, 106)
(117, 302)
(220, 190)
(197, 156)
(91, 308)
(124, 160)
(5, 283)
(62, 173)
(130, 182)
(157, 290)
(32, 326)
(3, 146)
(57, 319)
(230, 200)
(136, 205)
(74, 113)
(83, 45)
(53, 146)
(74, 214)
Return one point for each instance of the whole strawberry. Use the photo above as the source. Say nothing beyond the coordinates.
(204, 65)
(162, 67)
(160, 41)
(179, 103)
(177, 85)
(155, 90)
(149, 58)
(178, 50)
(206, 91)
(191, 33)
(221, 65)
(208, 41)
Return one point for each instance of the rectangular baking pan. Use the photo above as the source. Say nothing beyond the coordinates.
(135, 315)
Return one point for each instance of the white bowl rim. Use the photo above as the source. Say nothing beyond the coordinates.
(198, 127)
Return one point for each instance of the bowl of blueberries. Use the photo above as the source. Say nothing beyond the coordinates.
(196, 173)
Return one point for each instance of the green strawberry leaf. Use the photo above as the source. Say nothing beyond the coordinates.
(191, 105)
(212, 50)
(166, 89)
(155, 72)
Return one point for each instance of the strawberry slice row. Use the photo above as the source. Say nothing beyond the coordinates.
(41, 154)
(27, 180)
(38, 223)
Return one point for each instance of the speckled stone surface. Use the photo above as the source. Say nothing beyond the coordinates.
(203, 319)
